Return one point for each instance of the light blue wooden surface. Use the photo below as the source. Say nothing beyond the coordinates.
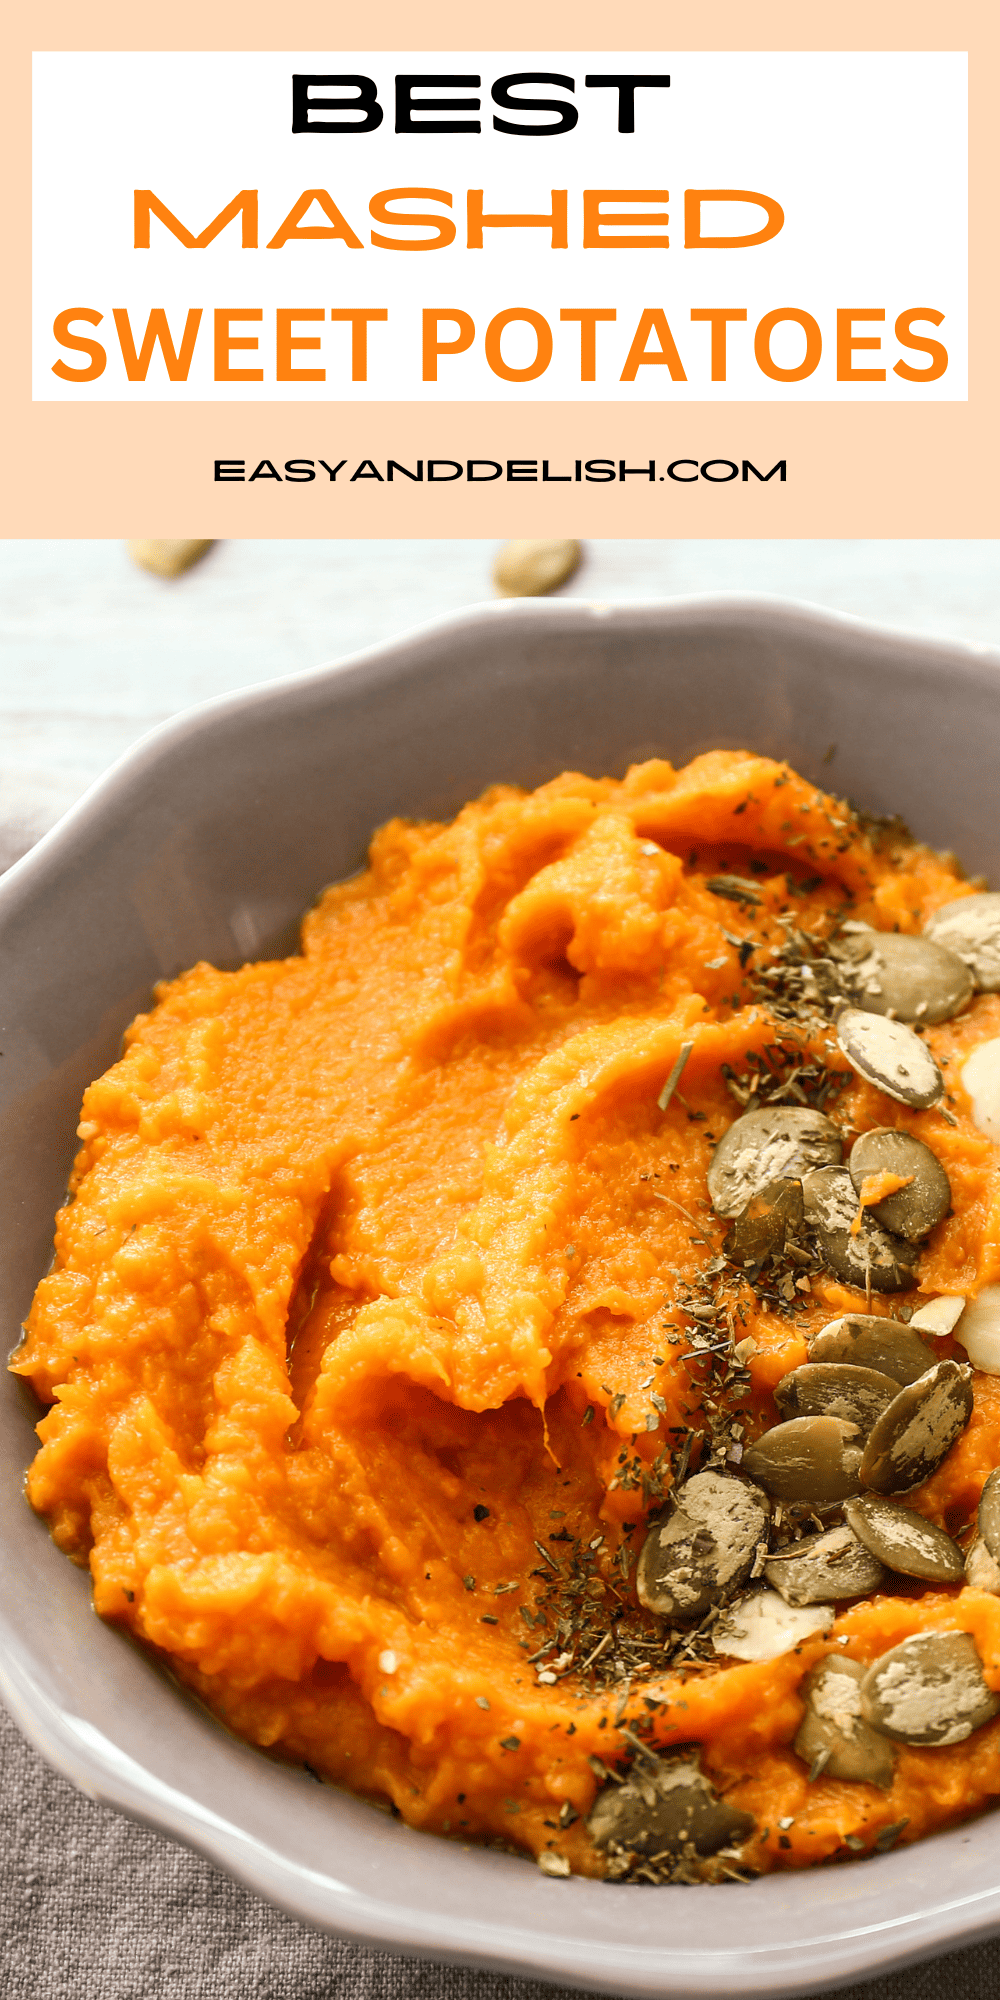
(94, 652)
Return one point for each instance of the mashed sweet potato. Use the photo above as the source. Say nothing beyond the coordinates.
(368, 1339)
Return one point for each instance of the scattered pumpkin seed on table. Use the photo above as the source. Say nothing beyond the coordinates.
(531, 569)
(167, 559)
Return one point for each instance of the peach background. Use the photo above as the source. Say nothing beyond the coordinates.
(855, 470)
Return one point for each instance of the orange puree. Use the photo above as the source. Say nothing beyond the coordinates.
(365, 1342)
(875, 1188)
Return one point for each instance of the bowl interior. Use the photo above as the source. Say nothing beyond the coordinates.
(208, 842)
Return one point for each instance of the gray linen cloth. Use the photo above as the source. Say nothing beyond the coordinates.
(95, 1908)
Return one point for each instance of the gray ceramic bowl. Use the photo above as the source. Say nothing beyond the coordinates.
(208, 841)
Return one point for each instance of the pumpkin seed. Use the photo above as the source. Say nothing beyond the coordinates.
(781, 1142)
(833, 1723)
(666, 1805)
(823, 1568)
(903, 1540)
(979, 1331)
(761, 1626)
(981, 1078)
(530, 569)
(940, 1315)
(762, 1228)
(970, 926)
(836, 1389)
(916, 1432)
(929, 1690)
(889, 1054)
(167, 558)
(912, 978)
(816, 1459)
(871, 1258)
(982, 1570)
(704, 1548)
(912, 1211)
(869, 1341)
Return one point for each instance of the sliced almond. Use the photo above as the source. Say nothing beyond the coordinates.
(979, 1330)
(970, 926)
(981, 1078)
(762, 1626)
(940, 1315)
(982, 1571)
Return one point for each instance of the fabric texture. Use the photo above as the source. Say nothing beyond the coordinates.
(96, 1908)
